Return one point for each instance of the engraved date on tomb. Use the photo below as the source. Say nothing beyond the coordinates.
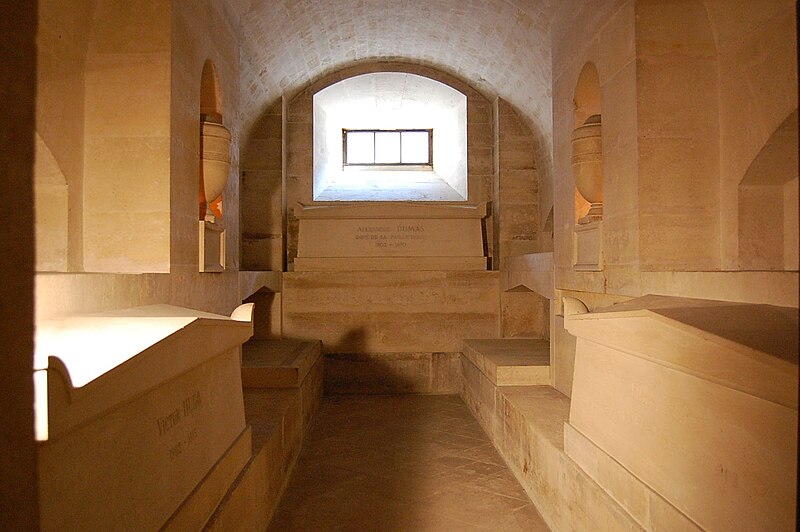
(177, 449)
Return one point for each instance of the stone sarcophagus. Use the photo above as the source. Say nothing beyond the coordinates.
(390, 236)
(139, 416)
(696, 400)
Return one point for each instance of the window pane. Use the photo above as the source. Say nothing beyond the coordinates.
(360, 147)
(415, 147)
(387, 147)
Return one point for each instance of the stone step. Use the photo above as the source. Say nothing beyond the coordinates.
(511, 361)
(282, 363)
(277, 418)
(529, 427)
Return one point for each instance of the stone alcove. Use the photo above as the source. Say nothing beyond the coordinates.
(393, 104)
(587, 171)
(300, 138)
(587, 112)
(768, 212)
(214, 163)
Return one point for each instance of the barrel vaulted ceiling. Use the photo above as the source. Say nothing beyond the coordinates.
(500, 47)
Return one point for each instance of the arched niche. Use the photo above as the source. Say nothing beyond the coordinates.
(299, 157)
(214, 163)
(768, 203)
(214, 145)
(587, 157)
(210, 92)
(381, 105)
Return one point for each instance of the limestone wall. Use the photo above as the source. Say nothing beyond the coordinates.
(501, 160)
(383, 312)
(518, 186)
(501, 47)
(126, 214)
(690, 94)
(757, 57)
(62, 41)
(202, 31)
(142, 114)
(262, 193)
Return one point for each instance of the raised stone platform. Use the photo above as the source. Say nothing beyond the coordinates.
(392, 373)
(391, 312)
(282, 363)
(527, 425)
(285, 390)
(277, 424)
(370, 264)
(511, 361)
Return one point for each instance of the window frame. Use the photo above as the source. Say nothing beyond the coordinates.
(379, 166)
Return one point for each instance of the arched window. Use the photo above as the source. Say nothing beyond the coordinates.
(390, 136)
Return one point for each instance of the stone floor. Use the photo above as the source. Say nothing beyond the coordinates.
(405, 463)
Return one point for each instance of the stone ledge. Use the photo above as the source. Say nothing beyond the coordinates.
(278, 419)
(649, 509)
(371, 264)
(278, 363)
(526, 425)
(511, 361)
(211, 491)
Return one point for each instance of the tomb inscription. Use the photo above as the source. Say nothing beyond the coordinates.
(391, 237)
(173, 419)
(185, 408)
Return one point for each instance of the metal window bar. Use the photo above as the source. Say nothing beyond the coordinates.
(400, 131)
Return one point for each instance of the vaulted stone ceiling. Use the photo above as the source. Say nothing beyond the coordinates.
(499, 46)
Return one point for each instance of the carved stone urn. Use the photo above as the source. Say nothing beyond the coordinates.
(215, 162)
(587, 166)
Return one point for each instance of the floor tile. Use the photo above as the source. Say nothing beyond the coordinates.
(401, 463)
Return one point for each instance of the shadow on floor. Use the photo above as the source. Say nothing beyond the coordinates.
(402, 462)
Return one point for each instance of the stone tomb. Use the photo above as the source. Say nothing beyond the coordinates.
(140, 415)
(391, 236)
(697, 400)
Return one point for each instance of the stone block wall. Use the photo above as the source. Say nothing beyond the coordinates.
(262, 193)
(681, 124)
(137, 179)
